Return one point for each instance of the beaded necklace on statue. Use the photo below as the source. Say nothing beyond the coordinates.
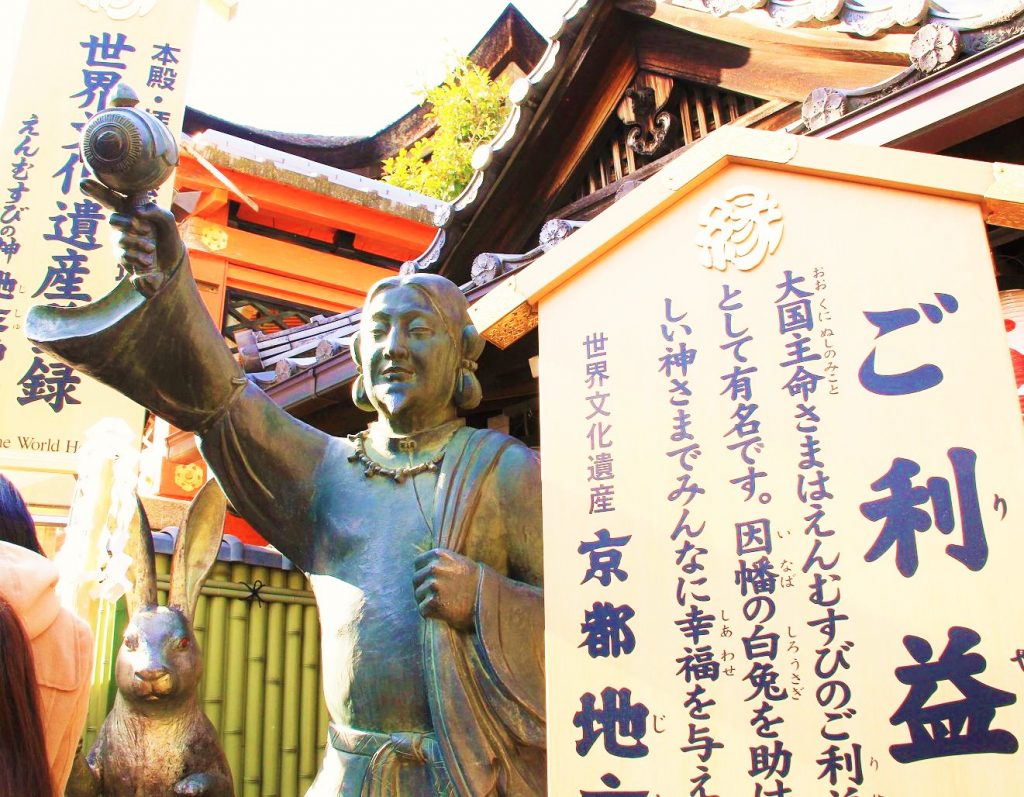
(409, 444)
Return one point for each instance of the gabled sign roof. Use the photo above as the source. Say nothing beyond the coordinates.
(509, 311)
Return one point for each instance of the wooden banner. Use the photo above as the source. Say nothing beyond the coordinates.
(55, 244)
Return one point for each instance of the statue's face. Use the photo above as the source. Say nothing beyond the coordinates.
(408, 359)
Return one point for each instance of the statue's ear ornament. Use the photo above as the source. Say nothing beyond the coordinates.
(472, 343)
(468, 392)
(359, 397)
(353, 344)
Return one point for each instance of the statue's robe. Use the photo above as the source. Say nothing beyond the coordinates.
(480, 728)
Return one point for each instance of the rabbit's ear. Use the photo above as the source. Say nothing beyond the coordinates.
(197, 546)
(142, 571)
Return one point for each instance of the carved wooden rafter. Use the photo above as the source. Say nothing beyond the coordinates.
(643, 110)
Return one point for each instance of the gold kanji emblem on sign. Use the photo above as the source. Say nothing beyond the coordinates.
(739, 230)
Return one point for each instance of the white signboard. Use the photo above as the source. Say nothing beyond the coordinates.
(782, 462)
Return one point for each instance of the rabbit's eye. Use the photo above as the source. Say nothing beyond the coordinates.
(131, 641)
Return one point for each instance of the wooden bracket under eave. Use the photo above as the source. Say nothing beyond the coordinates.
(1004, 200)
(512, 326)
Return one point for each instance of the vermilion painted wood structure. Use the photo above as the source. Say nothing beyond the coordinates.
(279, 228)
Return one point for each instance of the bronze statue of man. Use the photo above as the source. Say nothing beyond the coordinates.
(421, 536)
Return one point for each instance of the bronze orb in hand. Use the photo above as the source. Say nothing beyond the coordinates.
(127, 149)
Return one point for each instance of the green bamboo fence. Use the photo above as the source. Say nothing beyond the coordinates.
(111, 619)
(262, 686)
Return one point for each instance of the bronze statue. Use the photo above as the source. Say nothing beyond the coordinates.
(156, 740)
(421, 537)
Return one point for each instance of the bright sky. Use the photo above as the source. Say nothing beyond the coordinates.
(334, 67)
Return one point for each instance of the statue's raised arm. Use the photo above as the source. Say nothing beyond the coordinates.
(152, 339)
(421, 536)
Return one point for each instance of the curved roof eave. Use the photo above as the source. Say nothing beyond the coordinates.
(197, 121)
(525, 95)
(879, 31)
(862, 18)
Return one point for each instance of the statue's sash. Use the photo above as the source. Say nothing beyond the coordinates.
(487, 706)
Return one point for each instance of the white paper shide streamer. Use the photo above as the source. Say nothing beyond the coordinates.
(93, 563)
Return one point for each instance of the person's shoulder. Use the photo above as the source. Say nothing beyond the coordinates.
(514, 453)
(83, 647)
(343, 449)
(517, 465)
(64, 653)
(83, 633)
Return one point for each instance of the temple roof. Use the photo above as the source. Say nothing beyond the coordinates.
(864, 18)
(843, 59)
(197, 121)
(870, 49)
(510, 47)
(246, 156)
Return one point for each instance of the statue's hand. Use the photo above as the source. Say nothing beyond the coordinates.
(84, 780)
(150, 245)
(446, 584)
(203, 784)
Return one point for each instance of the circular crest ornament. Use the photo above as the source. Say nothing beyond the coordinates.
(327, 348)
(486, 267)
(519, 91)
(214, 238)
(190, 477)
(554, 232)
(933, 47)
(739, 230)
(822, 106)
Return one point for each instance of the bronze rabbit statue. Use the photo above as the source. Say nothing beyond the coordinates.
(157, 741)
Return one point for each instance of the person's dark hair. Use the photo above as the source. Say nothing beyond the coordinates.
(24, 768)
(16, 524)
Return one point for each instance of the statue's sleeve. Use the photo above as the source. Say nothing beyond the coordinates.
(486, 689)
(164, 352)
(510, 609)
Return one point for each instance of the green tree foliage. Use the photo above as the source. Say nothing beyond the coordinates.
(468, 109)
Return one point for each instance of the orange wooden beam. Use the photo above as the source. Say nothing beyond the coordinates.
(283, 258)
(212, 203)
(291, 290)
(380, 247)
(279, 221)
(317, 208)
(209, 272)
